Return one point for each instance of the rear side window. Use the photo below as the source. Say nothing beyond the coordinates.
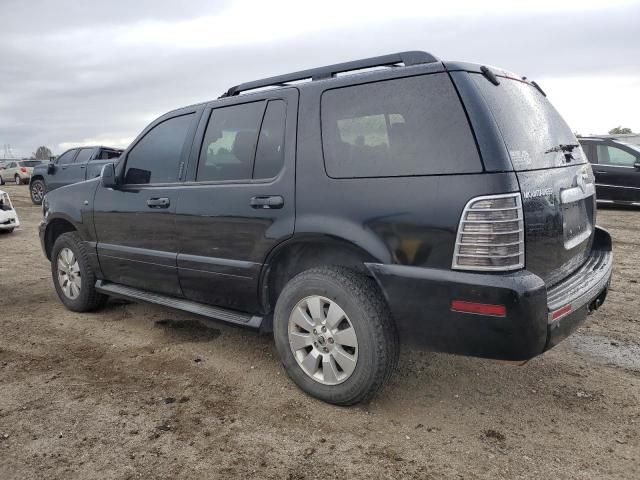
(156, 158)
(531, 127)
(83, 155)
(107, 155)
(229, 143)
(270, 150)
(401, 127)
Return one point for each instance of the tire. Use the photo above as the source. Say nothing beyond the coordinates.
(1, 181)
(365, 310)
(87, 298)
(17, 179)
(37, 190)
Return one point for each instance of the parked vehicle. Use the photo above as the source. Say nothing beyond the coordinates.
(75, 165)
(441, 204)
(18, 171)
(8, 216)
(616, 167)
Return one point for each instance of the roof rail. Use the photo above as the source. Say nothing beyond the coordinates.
(322, 73)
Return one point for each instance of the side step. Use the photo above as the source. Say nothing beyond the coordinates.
(216, 313)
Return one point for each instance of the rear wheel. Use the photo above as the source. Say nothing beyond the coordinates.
(1, 180)
(335, 336)
(37, 190)
(17, 179)
(73, 277)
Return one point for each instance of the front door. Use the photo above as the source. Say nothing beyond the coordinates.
(617, 178)
(238, 202)
(67, 167)
(135, 222)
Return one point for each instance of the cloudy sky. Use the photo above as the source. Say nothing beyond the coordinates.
(78, 72)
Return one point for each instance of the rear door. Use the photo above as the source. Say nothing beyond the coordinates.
(239, 201)
(556, 181)
(135, 222)
(617, 178)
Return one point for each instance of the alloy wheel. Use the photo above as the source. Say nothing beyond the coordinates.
(323, 340)
(69, 277)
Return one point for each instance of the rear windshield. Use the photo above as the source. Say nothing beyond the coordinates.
(30, 163)
(531, 127)
(400, 127)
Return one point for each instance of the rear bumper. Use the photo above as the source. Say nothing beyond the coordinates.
(420, 300)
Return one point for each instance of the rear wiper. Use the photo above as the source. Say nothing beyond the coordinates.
(563, 148)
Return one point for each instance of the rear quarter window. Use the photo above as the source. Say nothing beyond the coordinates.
(401, 127)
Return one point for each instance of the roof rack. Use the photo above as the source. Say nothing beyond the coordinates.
(330, 71)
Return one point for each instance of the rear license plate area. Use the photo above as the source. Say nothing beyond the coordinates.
(576, 224)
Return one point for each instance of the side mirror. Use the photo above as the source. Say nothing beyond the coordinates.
(51, 168)
(108, 177)
(637, 165)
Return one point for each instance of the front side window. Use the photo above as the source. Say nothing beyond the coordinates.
(66, 157)
(400, 127)
(229, 143)
(83, 155)
(156, 158)
(617, 157)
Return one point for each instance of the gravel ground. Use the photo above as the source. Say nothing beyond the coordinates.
(139, 391)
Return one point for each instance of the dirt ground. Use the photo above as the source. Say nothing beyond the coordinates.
(139, 391)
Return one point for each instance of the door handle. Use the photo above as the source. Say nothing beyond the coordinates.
(83, 166)
(158, 202)
(268, 201)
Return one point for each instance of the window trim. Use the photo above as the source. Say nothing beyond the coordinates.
(93, 151)
(188, 140)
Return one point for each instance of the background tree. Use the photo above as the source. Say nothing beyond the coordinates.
(619, 130)
(43, 153)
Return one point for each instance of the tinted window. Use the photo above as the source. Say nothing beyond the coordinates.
(156, 158)
(30, 163)
(107, 155)
(529, 124)
(608, 155)
(407, 126)
(270, 151)
(230, 142)
(83, 155)
(66, 157)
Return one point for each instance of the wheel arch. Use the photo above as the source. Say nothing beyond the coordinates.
(55, 228)
(303, 252)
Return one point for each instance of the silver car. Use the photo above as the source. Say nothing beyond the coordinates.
(18, 171)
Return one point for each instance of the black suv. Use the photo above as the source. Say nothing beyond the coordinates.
(616, 167)
(72, 166)
(442, 204)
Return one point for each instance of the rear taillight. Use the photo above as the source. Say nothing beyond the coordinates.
(23, 170)
(490, 234)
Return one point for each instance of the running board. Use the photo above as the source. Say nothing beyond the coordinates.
(216, 313)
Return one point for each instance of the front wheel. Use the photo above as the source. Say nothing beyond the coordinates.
(335, 336)
(37, 190)
(73, 276)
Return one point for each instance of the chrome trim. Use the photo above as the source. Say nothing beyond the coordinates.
(575, 194)
(461, 231)
(616, 186)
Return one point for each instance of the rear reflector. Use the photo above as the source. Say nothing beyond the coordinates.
(561, 312)
(23, 170)
(479, 308)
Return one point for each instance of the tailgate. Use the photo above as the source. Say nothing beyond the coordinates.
(559, 217)
(556, 181)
